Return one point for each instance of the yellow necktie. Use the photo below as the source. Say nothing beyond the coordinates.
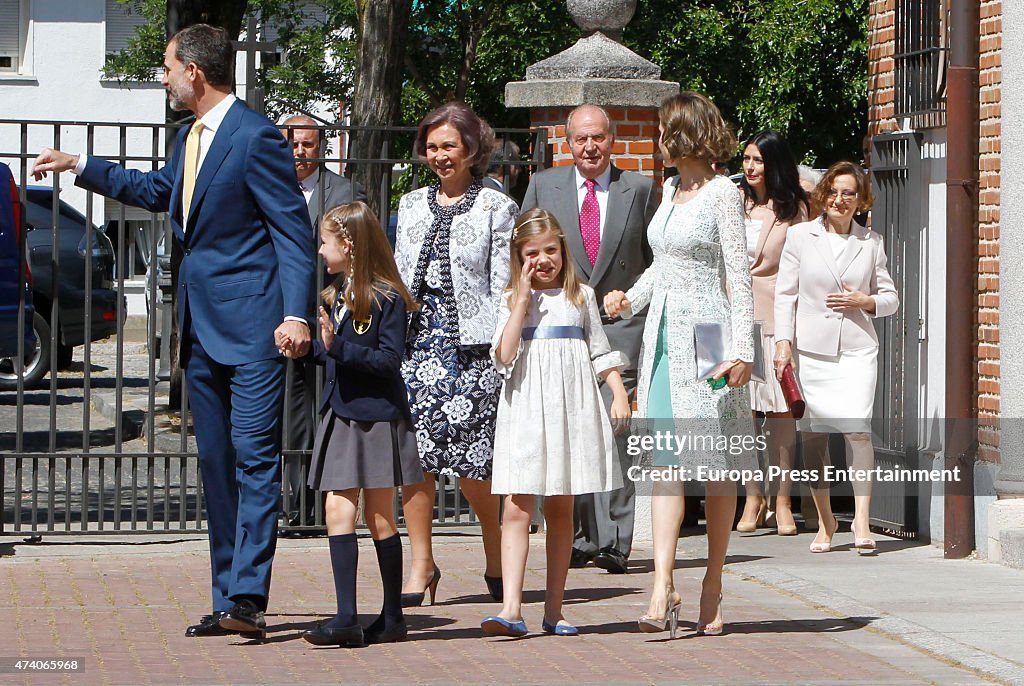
(191, 167)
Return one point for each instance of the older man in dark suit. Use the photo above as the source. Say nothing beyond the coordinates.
(323, 190)
(244, 291)
(604, 213)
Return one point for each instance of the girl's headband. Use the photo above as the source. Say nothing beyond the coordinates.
(515, 231)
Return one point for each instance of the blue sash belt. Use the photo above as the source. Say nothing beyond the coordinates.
(534, 333)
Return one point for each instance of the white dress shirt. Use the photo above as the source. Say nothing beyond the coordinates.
(308, 184)
(601, 184)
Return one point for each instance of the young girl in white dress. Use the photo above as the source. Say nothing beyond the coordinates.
(553, 436)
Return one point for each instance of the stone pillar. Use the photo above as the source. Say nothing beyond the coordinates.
(1006, 517)
(598, 70)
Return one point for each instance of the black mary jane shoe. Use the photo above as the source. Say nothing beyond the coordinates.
(346, 637)
(495, 587)
(209, 625)
(379, 632)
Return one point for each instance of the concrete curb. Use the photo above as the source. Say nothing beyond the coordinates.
(895, 628)
(134, 420)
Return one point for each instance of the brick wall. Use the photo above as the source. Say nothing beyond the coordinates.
(636, 136)
(881, 79)
(881, 113)
(990, 82)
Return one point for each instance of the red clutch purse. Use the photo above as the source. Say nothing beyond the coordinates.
(791, 391)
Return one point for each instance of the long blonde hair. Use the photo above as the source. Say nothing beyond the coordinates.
(531, 224)
(372, 268)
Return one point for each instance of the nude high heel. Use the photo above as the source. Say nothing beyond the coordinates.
(748, 527)
(827, 546)
(711, 628)
(653, 625)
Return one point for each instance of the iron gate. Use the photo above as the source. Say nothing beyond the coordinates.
(896, 215)
(64, 468)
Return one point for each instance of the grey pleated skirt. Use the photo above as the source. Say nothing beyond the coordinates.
(350, 454)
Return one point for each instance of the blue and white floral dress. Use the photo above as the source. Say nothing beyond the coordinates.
(453, 386)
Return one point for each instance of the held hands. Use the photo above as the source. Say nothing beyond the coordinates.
(783, 357)
(326, 327)
(738, 372)
(292, 339)
(849, 299)
(50, 160)
(615, 302)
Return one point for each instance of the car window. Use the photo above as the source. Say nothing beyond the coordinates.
(40, 212)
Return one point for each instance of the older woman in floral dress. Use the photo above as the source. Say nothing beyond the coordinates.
(452, 249)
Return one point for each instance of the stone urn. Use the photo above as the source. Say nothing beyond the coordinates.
(606, 16)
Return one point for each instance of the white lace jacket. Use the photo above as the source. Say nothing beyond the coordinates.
(479, 251)
(700, 248)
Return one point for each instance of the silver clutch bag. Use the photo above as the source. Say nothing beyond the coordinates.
(712, 341)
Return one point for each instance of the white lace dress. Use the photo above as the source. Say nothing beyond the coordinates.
(553, 434)
(699, 252)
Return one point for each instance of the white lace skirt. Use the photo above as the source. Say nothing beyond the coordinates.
(767, 396)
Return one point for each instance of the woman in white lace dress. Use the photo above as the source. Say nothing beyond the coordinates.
(700, 274)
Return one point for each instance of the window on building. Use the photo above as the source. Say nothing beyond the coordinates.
(122, 24)
(920, 61)
(12, 37)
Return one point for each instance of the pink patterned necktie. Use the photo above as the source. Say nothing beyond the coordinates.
(590, 222)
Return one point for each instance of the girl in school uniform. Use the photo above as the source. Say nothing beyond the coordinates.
(365, 439)
(553, 436)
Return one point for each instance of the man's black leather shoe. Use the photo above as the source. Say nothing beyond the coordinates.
(579, 559)
(209, 625)
(611, 560)
(246, 618)
(346, 636)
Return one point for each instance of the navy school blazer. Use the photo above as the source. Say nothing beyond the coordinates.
(364, 371)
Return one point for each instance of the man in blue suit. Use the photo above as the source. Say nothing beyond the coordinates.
(243, 293)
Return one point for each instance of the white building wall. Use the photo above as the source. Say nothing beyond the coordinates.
(60, 80)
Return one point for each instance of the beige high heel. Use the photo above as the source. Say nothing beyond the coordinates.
(749, 528)
(785, 529)
(827, 546)
(711, 628)
(652, 625)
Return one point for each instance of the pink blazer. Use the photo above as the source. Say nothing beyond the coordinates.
(808, 272)
(763, 271)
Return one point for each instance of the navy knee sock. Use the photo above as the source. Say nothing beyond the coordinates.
(389, 559)
(344, 560)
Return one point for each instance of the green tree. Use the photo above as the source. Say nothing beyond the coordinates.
(797, 66)
(318, 39)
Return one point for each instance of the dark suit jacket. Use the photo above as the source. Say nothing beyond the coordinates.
(331, 190)
(248, 254)
(364, 380)
(624, 253)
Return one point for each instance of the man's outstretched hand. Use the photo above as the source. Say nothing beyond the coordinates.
(50, 160)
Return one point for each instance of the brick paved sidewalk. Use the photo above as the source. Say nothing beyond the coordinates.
(123, 608)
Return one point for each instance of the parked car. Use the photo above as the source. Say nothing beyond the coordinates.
(15, 293)
(74, 240)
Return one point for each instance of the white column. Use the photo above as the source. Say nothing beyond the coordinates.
(1008, 513)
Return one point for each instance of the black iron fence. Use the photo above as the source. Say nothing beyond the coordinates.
(94, 431)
